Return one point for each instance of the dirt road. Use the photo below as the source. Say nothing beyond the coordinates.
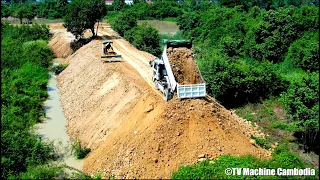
(136, 58)
(133, 133)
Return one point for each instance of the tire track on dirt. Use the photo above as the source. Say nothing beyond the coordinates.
(135, 60)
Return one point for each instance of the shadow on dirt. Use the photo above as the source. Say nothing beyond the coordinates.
(77, 44)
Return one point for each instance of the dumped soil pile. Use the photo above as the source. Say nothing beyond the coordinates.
(183, 65)
(131, 131)
(151, 144)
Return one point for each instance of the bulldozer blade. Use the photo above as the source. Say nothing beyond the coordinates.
(110, 56)
(111, 59)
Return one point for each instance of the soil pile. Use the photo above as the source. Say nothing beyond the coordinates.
(183, 65)
(132, 132)
(153, 142)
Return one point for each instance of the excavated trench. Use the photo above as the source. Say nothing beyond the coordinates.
(113, 109)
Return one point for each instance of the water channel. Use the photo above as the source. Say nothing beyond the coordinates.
(54, 126)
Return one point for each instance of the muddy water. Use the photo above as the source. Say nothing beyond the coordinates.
(54, 126)
(164, 27)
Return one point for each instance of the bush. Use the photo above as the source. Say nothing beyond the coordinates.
(79, 151)
(302, 102)
(261, 142)
(236, 82)
(145, 38)
(118, 5)
(284, 126)
(38, 52)
(304, 53)
(59, 68)
(123, 23)
(41, 172)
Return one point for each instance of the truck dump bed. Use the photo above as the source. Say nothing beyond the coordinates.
(183, 90)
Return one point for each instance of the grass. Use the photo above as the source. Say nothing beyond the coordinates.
(283, 126)
(59, 68)
(264, 143)
(272, 119)
(171, 19)
(79, 151)
(215, 169)
(265, 114)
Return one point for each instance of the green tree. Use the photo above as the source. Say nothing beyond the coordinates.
(29, 14)
(304, 53)
(138, 1)
(5, 11)
(19, 12)
(235, 82)
(123, 23)
(302, 102)
(118, 5)
(84, 14)
(145, 38)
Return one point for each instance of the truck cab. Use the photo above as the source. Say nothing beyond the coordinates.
(159, 70)
(160, 77)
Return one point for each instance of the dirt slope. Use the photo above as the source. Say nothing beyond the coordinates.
(60, 41)
(132, 132)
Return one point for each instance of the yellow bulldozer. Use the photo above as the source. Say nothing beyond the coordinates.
(108, 53)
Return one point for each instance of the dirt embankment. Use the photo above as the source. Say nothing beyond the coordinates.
(60, 41)
(132, 132)
(183, 65)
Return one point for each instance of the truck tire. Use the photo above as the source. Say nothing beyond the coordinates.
(155, 85)
(167, 95)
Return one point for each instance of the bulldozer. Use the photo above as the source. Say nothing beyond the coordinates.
(108, 53)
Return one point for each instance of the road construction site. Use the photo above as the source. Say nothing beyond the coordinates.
(114, 109)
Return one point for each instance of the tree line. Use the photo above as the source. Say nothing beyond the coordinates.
(48, 9)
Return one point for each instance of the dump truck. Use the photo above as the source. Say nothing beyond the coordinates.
(108, 53)
(165, 80)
